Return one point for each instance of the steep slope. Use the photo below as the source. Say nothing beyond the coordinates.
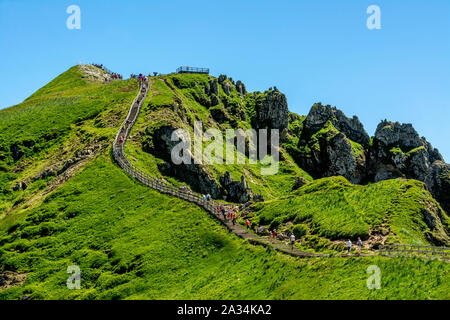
(132, 242)
(62, 124)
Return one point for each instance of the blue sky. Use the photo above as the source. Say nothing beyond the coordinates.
(311, 50)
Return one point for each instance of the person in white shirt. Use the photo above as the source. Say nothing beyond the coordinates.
(349, 246)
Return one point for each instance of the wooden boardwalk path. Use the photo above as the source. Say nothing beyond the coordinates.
(186, 194)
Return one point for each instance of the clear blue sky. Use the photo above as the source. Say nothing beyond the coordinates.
(311, 50)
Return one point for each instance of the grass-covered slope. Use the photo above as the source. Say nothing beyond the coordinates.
(66, 116)
(134, 243)
(329, 209)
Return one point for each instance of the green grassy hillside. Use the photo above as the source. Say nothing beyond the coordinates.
(66, 116)
(134, 243)
(329, 209)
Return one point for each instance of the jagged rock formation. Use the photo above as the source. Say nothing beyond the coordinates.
(235, 191)
(240, 87)
(272, 111)
(319, 115)
(193, 174)
(196, 175)
(398, 150)
(438, 182)
(326, 147)
(331, 144)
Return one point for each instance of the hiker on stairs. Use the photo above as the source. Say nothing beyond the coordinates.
(359, 244)
(234, 218)
(349, 246)
(274, 235)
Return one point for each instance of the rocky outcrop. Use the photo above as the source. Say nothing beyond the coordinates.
(240, 87)
(227, 87)
(222, 78)
(220, 115)
(272, 111)
(334, 156)
(326, 148)
(214, 87)
(21, 185)
(299, 182)
(438, 182)
(398, 150)
(48, 172)
(319, 115)
(195, 175)
(235, 191)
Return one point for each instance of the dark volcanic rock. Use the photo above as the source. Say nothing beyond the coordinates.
(319, 115)
(438, 182)
(220, 114)
(214, 100)
(326, 146)
(240, 87)
(227, 87)
(44, 174)
(399, 148)
(194, 175)
(235, 191)
(272, 111)
(222, 78)
(214, 87)
(21, 185)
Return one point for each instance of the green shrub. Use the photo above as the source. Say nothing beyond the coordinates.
(300, 230)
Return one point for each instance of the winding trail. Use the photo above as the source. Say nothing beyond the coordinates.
(165, 188)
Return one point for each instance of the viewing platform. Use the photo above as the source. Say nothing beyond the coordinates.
(193, 70)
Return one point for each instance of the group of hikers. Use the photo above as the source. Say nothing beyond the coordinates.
(227, 215)
(206, 197)
(358, 244)
(114, 75)
(140, 76)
